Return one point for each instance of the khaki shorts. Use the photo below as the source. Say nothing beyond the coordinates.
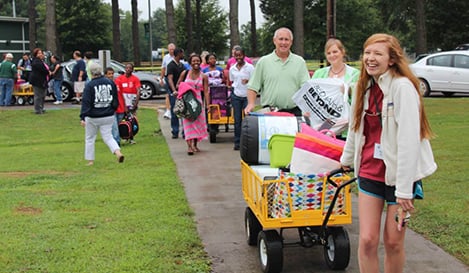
(78, 87)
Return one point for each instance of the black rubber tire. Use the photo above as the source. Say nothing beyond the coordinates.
(270, 250)
(30, 100)
(252, 227)
(213, 137)
(425, 88)
(337, 248)
(67, 92)
(13, 100)
(21, 100)
(213, 131)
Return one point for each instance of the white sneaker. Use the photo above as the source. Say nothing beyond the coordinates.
(57, 102)
(167, 114)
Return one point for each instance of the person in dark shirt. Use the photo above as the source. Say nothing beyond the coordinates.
(174, 70)
(79, 75)
(97, 113)
(39, 79)
(57, 77)
(24, 65)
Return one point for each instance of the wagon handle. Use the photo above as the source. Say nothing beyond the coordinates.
(336, 195)
(334, 172)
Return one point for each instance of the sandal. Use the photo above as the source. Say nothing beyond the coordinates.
(190, 151)
(194, 146)
(120, 159)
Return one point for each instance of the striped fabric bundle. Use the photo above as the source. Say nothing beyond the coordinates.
(315, 152)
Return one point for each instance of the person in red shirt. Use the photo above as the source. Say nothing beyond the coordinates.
(129, 86)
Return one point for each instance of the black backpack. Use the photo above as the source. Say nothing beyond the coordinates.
(128, 126)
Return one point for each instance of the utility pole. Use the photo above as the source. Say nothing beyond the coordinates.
(331, 19)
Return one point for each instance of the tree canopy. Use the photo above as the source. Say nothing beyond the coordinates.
(213, 35)
(87, 25)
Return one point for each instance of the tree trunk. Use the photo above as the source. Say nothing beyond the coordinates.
(253, 28)
(331, 18)
(198, 24)
(170, 21)
(135, 39)
(298, 28)
(234, 24)
(51, 29)
(116, 32)
(421, 32)
(32, 24)
(190, 42)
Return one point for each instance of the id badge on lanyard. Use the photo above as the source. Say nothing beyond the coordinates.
(378, 152)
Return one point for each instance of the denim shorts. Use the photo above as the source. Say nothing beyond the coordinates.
(382, 191)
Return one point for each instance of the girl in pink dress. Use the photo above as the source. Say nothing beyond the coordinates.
(196, 130)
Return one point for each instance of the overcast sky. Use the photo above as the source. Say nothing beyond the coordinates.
(244, 11)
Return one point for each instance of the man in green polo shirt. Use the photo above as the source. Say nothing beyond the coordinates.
(8, 73)
(278, 76)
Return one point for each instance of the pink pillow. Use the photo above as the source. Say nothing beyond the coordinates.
(306, 129)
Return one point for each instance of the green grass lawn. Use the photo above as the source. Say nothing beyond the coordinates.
(443, 216)
(58, 215)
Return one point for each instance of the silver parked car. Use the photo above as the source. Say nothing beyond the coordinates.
(150, 83)
(447, 72)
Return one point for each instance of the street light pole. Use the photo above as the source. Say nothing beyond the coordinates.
(13, 7)
(149, 29)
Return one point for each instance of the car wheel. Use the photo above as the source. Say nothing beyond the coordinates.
(67, 93)
(448, 94)
(146, 91)
(424, 88)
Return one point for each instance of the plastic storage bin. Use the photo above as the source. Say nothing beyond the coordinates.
(280, 150)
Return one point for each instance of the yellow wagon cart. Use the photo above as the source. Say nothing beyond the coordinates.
(22, 93)
(220, 111)
(317, 207)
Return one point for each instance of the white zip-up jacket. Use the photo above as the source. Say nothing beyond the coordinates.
(407, 157)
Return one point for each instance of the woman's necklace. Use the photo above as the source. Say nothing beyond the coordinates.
(336, 74)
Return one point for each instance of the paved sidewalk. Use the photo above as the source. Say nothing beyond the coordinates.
(212, 182)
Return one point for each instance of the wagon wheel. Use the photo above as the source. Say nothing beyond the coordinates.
(337, 248)
(252, 227)
(21, 100)
(213, 132)
(213, 137)
(270, 251)
(30, 100)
